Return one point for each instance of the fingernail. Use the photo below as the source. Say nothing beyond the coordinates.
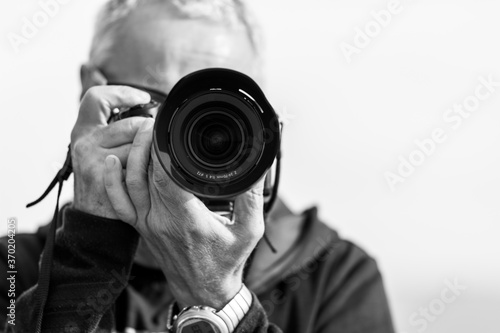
(110, 162)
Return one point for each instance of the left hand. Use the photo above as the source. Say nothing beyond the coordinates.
(92, 139)
(201, 254)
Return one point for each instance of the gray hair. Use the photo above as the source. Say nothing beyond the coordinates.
(225, 11)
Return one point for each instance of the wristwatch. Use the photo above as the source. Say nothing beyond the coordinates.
(205, 319)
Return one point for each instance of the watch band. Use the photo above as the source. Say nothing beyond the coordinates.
(229, 316)
(236, 309)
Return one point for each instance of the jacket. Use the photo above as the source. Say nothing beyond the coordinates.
(321, 284)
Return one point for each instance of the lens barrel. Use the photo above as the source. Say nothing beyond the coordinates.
(216, 135)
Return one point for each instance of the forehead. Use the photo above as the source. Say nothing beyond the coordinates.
(156, 49)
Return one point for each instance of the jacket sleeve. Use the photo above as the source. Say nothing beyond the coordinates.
(256, 320)
(91, 267)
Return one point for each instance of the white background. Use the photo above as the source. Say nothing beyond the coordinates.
(347, 125)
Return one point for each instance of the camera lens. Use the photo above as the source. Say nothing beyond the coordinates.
(216, 134)
(215, 139)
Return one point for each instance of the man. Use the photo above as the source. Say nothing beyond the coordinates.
(133, 243)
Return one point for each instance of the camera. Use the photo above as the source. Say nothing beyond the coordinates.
(216, 135)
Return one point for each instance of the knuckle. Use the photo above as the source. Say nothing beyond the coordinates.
(81, 148)
(86, 163)
(130, 125)
(137, 124)
(94, 97)
(108, 183)
(92, 94)
(159, 180)
(147, 124)
(134, 182)
(97, 136)
(125, 214)
(137, 143)
(257, 192)
(254, 200)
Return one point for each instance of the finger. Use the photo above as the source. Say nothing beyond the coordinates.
(120, 132)
(82, 150)
(116, 191)
(99, 101)
(91, 76)
(121, 152)
(137, 167)
(169, 191)
(249, 209)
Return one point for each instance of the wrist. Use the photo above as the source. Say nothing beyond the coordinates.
(206, 319)
(215, 295)
(91, 202)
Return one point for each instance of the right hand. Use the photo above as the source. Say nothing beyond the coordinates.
(92, 139)
(201, 253)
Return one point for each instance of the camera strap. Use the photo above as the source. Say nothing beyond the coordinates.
(42, 291)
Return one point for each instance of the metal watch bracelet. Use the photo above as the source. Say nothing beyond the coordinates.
(231, 314)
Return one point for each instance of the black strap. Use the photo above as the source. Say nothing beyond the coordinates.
(274, 192)
(48, 250)
(62, 175)
(46, 265)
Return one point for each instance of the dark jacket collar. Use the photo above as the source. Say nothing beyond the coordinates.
(301, 240)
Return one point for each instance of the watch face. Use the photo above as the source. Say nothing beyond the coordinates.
(198, 326)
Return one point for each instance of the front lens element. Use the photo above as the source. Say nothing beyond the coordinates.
(216, 139)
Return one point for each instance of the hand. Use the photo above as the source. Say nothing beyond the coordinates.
(201, 253)
(92, 139)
